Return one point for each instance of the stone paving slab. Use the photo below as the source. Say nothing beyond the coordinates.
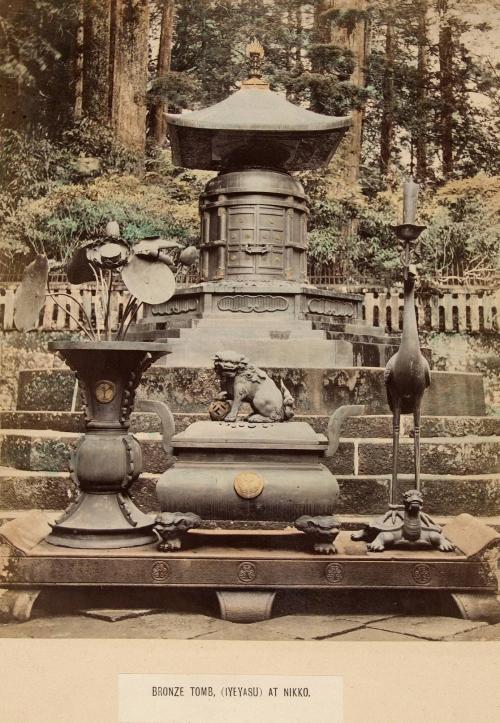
(113, 616)
(428, 628)
(295, 627)
(189, 626)
(174, 626)
(311, 627)
(490, 632)
(372, 634)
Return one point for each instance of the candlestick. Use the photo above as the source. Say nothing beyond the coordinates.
(410, 196)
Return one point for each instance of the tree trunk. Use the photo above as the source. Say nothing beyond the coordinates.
(356, 41)
(78, 66)
(115, 64)
(96, 59)
(298, 48)
(159, 125)
(387, 121)
(422, 80)
(446, 88)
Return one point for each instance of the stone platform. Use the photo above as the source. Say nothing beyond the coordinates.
(246, 570)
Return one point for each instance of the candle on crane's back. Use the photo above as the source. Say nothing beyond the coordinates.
(410, 197)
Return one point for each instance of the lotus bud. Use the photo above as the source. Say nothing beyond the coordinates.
(113, 229)
(188, 256)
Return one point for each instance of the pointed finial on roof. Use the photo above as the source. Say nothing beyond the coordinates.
(255, 52)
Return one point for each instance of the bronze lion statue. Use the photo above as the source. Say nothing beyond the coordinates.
(241, 381)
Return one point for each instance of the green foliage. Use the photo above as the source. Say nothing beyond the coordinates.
(178, 89)
(353, 234)
(74, 213)
(419, 98)
(463, 231)
(349, 233)
(36, 62)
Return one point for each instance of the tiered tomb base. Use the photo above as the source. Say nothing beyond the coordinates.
(265, 320)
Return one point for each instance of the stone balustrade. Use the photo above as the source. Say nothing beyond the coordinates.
(63, 312)
(454, 310)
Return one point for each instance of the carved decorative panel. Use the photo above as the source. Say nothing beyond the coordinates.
(246, 303)
(175, 306)
(328, 307)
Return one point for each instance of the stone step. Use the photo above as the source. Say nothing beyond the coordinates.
(375, 425)
(229, 337)
(366, 495)
(359, 327)
(50, 450)
(253, 321)
(39, 450)
(197, 349)
(316, 391)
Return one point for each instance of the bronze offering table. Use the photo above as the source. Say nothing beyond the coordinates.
(242, 471)
(247, 569)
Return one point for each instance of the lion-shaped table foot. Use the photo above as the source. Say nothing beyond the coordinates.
(171, 527)
(404, 525)
(323, 531)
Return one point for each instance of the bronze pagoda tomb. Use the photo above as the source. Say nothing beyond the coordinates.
(253, 285)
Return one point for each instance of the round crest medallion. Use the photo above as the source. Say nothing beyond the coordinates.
(105, 391)
(247, 572)
(248, 485)
(421, 573)
(334, 572)
(160, 571)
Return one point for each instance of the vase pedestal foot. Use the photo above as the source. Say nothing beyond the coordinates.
(478, 606)
(245, 607)
(17, 605)
(102, 521)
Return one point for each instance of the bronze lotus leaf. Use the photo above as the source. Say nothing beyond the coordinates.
(30, 294)
(149, 280)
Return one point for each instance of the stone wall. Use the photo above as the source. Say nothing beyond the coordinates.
(470, 353)
(451, 352)
(23, 351)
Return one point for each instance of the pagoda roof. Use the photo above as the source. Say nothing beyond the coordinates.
(254, 119)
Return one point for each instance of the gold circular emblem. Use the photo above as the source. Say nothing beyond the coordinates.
(105, 391)
(248, 485)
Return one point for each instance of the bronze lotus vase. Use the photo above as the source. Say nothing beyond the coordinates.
(107, 459)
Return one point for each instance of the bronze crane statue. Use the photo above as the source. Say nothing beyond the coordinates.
(407, 376)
